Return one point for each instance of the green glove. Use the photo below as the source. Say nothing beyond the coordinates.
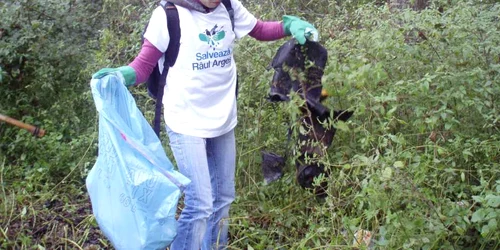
(127, 72)
(299, 29)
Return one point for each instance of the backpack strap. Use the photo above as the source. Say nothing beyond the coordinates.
(174, 31)
(230, 10)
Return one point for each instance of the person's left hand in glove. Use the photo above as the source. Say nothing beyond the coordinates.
(301, 30)
(127, 72)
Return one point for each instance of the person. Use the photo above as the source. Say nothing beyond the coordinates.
(199, 105)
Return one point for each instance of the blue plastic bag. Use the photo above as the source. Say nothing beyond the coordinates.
(133, 187)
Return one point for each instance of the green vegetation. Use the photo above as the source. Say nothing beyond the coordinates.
(418, 164)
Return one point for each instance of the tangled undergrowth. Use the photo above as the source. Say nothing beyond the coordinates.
(417, 165)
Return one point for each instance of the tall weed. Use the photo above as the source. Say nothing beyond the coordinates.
(421, 154)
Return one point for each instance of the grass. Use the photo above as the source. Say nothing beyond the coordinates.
(417, 164)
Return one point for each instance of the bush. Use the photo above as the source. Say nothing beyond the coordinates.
(43, 48)
(415, 163)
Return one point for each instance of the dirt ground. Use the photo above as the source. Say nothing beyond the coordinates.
(53, 224)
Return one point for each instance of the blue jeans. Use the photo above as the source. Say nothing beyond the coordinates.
(210, 165)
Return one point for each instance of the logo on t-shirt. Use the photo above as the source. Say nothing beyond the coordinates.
(216, 56)
(213, 36)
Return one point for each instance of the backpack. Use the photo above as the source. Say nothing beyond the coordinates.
(156, 80)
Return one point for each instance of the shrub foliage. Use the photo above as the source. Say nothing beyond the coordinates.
(417, 165)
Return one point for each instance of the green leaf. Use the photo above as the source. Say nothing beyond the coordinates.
(477, 198)
(342, 126)
(478, 215)
(394, 138)
(387, 173)
(23, 212)
(492, 200)
(466, 153)
(392, 110)
(398, 164)
(485, 230)
(302, 130)
(492, 223)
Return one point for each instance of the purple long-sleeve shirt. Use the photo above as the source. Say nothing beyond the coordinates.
(144, 63)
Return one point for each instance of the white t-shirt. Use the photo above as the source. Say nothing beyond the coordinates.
(199, 98)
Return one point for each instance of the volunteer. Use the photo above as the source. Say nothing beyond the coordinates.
(199, 105)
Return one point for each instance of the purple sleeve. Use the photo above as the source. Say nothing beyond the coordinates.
(144, 63)
(268, 31)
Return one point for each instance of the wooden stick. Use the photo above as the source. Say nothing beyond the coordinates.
(32, 129)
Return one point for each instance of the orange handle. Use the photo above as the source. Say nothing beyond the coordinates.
(32, 129)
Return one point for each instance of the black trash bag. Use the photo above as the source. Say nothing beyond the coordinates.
(272, 166)
(316, 129)
(314, 143)
(299, 68)
(306, 173)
